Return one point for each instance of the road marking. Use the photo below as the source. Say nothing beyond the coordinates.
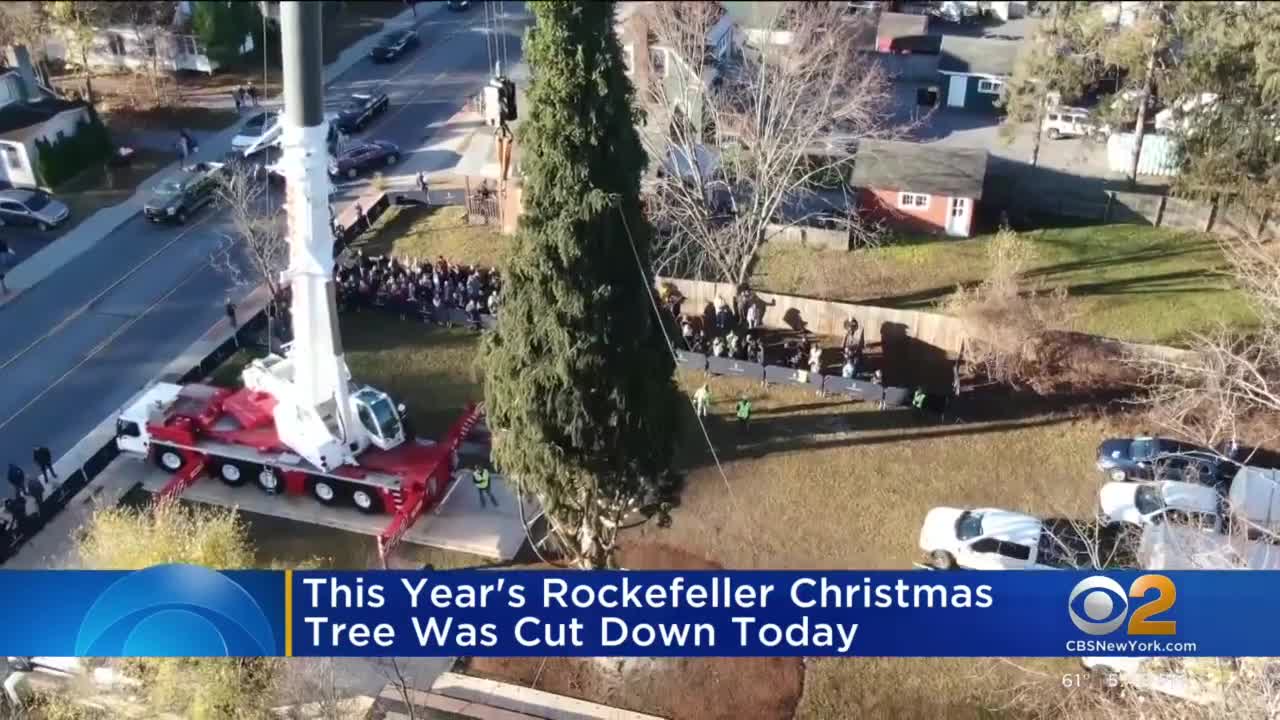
(85, 307)
(105, 343)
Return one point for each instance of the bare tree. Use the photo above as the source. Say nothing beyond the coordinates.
(1231, 375)
(744, 132)
(27, 24)
(255, 250)
(1007, 319)
(150, 22)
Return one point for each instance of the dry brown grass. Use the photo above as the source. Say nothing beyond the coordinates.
(421, 232)
(815, 484)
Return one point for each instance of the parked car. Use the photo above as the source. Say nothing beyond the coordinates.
(459, 5)
(177, 198)
(362, 156)
(393, 44)
(262, 130)
(1254, 499)
(359, 111)
(1154, 458)
(32, 207)
(1147, 503)
(1067, 122)
(961, 11)
(987, 539)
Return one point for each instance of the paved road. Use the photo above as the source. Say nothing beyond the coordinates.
(79, 344)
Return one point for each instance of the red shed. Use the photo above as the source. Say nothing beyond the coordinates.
(921, 187)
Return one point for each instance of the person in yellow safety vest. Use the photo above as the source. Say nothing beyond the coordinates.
(744, 413)
(480, 476)
(919, 399)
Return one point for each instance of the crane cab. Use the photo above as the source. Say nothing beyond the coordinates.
(379, 417)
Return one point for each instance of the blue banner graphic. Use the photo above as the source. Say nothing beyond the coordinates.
(178, 610)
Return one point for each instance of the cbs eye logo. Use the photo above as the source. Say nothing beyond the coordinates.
(175, 610)
(1099, 605)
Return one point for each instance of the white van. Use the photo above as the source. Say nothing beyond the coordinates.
(1060, 122)
(1255, 498)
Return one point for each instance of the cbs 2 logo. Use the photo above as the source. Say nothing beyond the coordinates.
(1098, 605)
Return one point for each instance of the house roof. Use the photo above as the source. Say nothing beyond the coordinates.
(18, 116)
(902, 25)
(912, 167)
(977, 56)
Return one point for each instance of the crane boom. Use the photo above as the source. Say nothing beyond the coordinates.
(312, 383)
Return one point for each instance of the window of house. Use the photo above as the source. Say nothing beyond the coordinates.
(990, 87)
(629, 58)
(149, 46)
(658, 61)
(187, 45)
(115, 44)
(12, 156)
(913, 201)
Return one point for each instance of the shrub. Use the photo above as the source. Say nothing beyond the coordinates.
(64, 158)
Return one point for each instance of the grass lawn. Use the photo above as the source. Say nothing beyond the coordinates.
(421, 232)
(101, 187)
(816, 483)
(1131, 282)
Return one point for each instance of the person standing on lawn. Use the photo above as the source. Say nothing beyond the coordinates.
(237, 98)
(253, 93)
(701, 399)
(744, 413)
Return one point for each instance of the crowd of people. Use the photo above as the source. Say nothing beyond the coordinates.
(27, 504)
(420, 288)
(736, 331)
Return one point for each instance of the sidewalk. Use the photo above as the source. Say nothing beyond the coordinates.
(93, 229)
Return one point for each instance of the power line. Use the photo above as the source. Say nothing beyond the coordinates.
(672, 348)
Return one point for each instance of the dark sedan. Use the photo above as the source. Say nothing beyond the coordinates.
(1153, 458)
(393, 44)
(360, 110)
(459, 5)
(363, 156)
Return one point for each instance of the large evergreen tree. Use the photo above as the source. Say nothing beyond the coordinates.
(578, 378)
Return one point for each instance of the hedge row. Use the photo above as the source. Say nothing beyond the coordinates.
(65, 158)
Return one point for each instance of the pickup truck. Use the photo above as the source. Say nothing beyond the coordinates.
(177, 197)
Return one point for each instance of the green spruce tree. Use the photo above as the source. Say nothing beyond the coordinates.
(578, 376)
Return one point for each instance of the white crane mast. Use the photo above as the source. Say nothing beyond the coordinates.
(312, 384)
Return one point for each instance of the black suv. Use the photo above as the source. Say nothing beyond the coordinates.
(1156, 458)
(176, 198)
(393, 44)
(360, 110)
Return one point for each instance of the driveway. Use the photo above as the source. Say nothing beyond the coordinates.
(950, 127)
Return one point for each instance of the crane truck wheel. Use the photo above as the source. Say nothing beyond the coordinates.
(268, 481)
(231, 473)
(324, 491)
(366, 501)
(169, 460)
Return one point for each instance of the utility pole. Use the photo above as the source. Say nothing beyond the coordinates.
(321, 375)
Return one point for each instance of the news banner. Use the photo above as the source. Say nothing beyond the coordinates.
(183, 610)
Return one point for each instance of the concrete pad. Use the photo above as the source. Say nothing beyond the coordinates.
(458, 525)
(518, 698)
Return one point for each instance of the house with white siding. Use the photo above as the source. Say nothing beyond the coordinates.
(30, 112)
